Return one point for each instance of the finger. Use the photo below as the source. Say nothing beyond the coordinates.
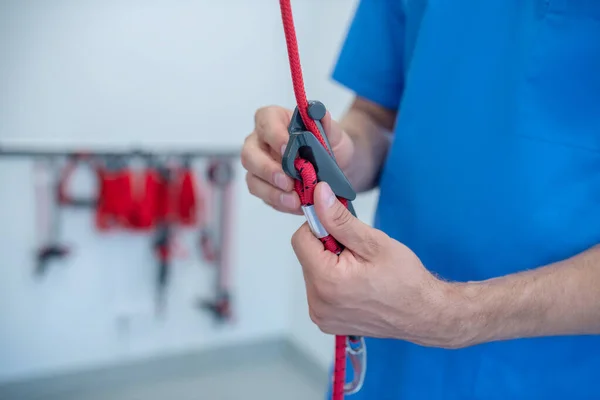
(337, 139)
(355, 235)
(333, 131)
(284, 210)
(271, 127)
(278, 199)
(310, 251)
(258, 162)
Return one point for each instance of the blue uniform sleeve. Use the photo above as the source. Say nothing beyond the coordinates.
(370, 62)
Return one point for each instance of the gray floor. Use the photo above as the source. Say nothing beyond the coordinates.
(281, 372)
(267, 381)
(273, 380)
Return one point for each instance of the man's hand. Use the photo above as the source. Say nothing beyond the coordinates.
(376, 287)
(263, 150)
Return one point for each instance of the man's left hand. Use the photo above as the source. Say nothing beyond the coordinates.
(376, 287)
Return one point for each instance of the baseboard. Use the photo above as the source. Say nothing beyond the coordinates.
(167, 367)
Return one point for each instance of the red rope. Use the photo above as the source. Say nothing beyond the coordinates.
(306, 186)
(306, 189)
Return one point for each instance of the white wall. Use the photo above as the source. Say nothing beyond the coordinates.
(122, 73)
(154, 74)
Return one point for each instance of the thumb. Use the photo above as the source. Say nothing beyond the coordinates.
(342, 225)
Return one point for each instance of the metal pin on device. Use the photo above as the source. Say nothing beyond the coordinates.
(313, 222)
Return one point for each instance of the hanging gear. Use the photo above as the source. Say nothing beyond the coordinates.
(48, 215)
(207, 245)
(162, 243)
(162, 249)
(216, 249)
(146, 189)
(115, 202)
(75, 161)
(189, 203)
(308, 159)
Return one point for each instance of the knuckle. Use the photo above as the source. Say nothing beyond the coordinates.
(266, 173)
(250, 183)
(280, 209)
(296, 239)
(373, 242)
(261, 118)
(258, 114)
(341, 216)
(274, 196)
(326, 330)
(316, 316)
(248, 138)
(245, 157)
(269, 204)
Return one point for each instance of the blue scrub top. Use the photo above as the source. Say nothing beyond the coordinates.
(494, 168)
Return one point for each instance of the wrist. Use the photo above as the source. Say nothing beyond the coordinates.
(464, 313)
(353, 161)
(362, 168)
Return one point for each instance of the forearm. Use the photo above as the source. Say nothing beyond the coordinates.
(369, 127)
(558, 299)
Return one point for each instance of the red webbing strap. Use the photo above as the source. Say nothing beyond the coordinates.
(306, 187)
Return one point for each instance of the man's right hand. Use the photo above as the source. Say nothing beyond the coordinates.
(263, 150)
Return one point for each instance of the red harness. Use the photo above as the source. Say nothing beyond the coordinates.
(306, 167)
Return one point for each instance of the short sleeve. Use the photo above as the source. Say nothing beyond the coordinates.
(370, 62)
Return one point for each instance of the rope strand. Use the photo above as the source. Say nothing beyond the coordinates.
(306, 186)
(296, 69)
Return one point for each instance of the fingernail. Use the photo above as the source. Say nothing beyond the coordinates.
(327, 195)
(283, 148)
(282, 181)
(289, 200)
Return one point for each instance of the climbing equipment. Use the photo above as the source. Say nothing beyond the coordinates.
(115, 202)
(189, 205)
(308, 159)
(215, 248)
(75, 161)
(47, 196)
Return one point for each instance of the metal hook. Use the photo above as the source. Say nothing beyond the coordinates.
(357, 352)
